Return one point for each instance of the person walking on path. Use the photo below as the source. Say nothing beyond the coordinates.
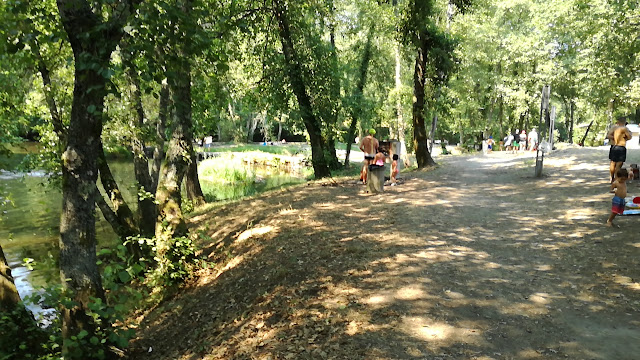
(369, 146)
(618, 136)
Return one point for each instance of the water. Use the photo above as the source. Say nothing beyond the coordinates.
(30, 219)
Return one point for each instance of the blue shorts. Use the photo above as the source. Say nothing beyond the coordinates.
(617, 205)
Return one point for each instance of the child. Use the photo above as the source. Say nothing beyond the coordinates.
(490, 143)
(394, 169)
(379, 159)
(619, 188)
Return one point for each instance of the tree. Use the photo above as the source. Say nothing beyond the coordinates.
(93, 32)
(295, 74)
(433, 48)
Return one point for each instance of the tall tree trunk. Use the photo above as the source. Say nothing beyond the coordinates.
(9, 297)
(584, 138)
(571, 110)
(123, 212)
(159, 153)
(294, 69)
(330, 149)
(423, 157)
(92, 40)
(171, 222)
(194, 190)
(147, 210)
(359, 92)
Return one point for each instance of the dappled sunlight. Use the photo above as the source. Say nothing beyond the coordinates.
(257, 231)
(473, 259)
(439, 334)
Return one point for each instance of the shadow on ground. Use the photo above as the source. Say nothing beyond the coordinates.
(473, 260)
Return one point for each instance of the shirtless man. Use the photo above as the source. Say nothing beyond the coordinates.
(618, 136)
(369, 146)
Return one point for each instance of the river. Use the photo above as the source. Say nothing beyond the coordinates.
(29, 225)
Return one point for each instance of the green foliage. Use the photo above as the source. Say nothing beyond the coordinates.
(23, 338)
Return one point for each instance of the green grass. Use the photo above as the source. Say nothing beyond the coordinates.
(227, 178)
(281, 149)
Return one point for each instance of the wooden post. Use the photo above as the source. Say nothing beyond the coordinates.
(544, 113)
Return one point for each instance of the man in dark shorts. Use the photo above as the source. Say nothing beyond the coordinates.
(618, 136)
(369, 146)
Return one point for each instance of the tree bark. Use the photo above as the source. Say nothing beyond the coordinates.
(171, 222)
(423, 157)
(159, 153)
(92, 40)
(120, 207)
(294, 69)
(334, 96)
(194, 190)
(359, 93)
(9, 297)
(571, 110)
(147, 210)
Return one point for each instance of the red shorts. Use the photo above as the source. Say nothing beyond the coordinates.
(617, 205)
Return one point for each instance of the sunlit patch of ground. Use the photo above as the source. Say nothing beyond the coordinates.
(475, 259)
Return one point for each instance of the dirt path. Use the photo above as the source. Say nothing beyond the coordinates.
(473, 260)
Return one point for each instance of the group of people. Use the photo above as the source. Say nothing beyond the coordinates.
(618, 137)
(373, 156)
(516, 141)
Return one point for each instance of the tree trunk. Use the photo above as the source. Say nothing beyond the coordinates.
(571, 110)
(332, 119)
(194, 190)
(359, 93)
(92, 40)
(294, 69)
(146, 205)
(9, 297)
(584, 138)
(159, 153)
(171, 222)
(423, 157)
(123, 212)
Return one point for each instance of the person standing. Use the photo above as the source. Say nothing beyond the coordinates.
(618, 136)
(533, 139)
(369, 146)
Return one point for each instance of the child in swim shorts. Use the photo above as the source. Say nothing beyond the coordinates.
(619, 188)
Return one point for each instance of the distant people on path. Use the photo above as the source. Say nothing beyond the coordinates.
(508, 142)
(533, 140)
(618, 136)
(523, 140)
(369, 146)
(619, 188)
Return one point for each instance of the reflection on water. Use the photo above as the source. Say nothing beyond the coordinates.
(29, 225)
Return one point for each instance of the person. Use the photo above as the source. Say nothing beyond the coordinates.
(508, 142)
(618, 136)
(619, 188)
(394, 169)
(523, 140)
(516, 143)
(490, 143)
(369, 146)
(533, 140)
(379, 159)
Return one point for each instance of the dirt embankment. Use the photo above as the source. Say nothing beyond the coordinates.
(473, 260)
